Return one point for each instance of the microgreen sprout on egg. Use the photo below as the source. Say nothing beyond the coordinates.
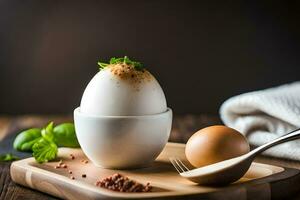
(125, 60)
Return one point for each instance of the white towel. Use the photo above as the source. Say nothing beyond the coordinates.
(265, 115)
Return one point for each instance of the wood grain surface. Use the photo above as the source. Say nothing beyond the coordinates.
(183, 128)
(258, 183)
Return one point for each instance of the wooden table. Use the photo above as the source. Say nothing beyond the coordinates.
(183, 128)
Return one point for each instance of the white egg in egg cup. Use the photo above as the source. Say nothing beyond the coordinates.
(123, 120)
(122, 142)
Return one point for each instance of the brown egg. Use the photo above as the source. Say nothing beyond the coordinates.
(214, 144)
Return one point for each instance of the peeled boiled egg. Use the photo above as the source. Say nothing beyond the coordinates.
(215, 144)
(121, 90)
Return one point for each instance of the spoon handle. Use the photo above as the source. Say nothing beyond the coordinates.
(285, 138)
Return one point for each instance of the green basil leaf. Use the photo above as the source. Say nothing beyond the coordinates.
(25, 140)
(47, 133)
(65, 135)
(44, 150)
(8, 157)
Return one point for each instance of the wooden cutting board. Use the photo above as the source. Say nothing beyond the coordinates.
(260, 182)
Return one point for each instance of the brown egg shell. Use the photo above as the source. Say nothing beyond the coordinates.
(214, 144)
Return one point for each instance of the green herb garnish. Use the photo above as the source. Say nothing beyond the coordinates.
(65, 136)
(47, 132)
(125, 60)
(44, 150)
(102, 65)
(8, 157)
(44, 142)
(26, 139)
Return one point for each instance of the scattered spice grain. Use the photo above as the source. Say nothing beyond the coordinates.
(72, 156)
(84, 161)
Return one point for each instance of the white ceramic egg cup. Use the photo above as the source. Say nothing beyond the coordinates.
(122, 142)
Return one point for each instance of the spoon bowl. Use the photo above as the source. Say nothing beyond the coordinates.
(220, 173)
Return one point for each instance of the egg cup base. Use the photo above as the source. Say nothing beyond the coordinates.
(122, 142)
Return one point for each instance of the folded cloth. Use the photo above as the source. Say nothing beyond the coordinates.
(265, 115)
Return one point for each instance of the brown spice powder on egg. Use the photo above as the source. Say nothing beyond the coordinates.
(129, 73)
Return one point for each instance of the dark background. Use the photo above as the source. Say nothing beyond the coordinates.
(201, 52)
